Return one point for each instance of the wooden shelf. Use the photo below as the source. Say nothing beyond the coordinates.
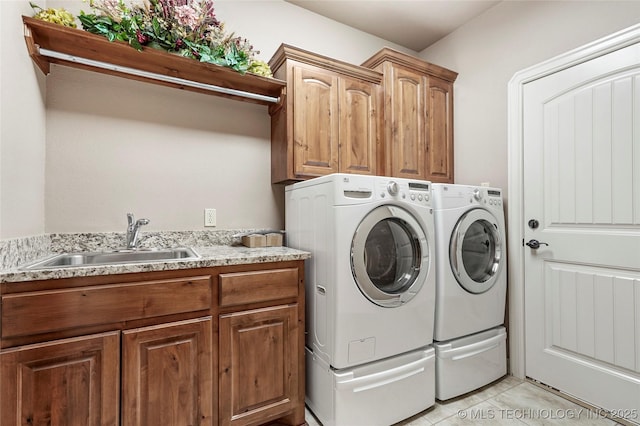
(55, 44)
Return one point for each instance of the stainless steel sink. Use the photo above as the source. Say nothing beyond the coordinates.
(66, 260)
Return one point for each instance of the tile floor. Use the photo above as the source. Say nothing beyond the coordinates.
(509, 401)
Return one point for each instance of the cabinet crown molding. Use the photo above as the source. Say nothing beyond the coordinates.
(387, 54)
(288, 52)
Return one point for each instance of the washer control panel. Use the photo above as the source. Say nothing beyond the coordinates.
(393, 188)
(415, 192)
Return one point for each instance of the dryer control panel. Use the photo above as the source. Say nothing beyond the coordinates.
(486, 197)
(452, 196)
(494, 197)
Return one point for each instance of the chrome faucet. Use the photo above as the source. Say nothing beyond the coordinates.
(133, 228)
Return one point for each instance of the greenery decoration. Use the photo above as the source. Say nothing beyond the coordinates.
(185, 27)
(56, 16)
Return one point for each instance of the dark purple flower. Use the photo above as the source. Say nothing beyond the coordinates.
(209, 13)
(142, 39)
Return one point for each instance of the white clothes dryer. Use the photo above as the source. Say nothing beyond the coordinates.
(471, 254)
(470, 341)
(370, 282)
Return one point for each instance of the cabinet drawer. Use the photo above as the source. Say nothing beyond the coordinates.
(53, 310)
(258, 286)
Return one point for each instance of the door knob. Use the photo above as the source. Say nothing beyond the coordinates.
(535, 244)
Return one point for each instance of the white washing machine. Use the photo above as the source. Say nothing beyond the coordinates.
(471, 287)
(370, 293)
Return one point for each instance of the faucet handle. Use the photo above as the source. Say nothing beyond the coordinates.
(130, 219)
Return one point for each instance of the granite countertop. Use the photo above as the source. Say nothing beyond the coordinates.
(216, 248)
(210, 256)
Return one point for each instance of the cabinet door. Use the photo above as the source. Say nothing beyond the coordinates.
(359, 126)
(258, 365)
(315, 122)
(166, 374)
(440, 133)
(406, 134)
(71, 382)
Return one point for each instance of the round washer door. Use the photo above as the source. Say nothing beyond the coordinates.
(475, 251)
(389, 256)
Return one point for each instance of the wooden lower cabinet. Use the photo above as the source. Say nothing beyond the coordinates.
(166, 378)
(71, 382)
(258, 365)
(166, 374)
(210, 346)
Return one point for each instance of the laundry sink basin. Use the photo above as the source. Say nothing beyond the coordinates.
(66, 260)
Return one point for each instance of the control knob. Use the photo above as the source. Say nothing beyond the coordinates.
(477, 195)
(392, 187)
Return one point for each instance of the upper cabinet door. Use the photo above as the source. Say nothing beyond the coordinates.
(360, 109)
(315, 122)
(405, 123)
(439, 158)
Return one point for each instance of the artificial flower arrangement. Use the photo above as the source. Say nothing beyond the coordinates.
(185, 27)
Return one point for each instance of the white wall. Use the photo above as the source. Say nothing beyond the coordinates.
(115, 145)
(22, 130)
(489, 50)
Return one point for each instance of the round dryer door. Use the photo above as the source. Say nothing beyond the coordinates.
(475, 251)
(389, 256)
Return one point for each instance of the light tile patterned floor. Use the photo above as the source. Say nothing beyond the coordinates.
(509, 401)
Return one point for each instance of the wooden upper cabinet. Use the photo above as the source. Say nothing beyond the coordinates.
(418, 116)
(330, 120)
(360, 108)
(407, 113)
(315, 121)
(440, 132)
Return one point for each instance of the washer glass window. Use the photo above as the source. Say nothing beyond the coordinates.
(392, 256)
(476, 251)
(389, 256)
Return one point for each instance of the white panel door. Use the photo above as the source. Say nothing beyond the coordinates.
(582, 184)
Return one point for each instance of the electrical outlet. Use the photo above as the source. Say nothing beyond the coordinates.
(209, 217)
